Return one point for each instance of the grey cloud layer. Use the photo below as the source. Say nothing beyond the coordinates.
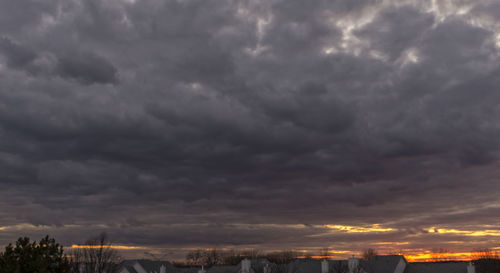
(138, 114)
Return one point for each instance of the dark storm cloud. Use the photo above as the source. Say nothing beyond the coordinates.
(396, 29)
(30, 11)
(16, 55)
(87, 68)
(187, 123)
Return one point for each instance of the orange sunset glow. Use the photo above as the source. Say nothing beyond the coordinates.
(410, 256)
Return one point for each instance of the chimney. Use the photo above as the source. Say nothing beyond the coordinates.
(81, 267)
(137, 266)
(324, 266)
(471, 268)
(267, 268)
(246, 265)
(202, 270)
(353, 264)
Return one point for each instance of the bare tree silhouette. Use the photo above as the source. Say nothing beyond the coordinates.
(96, 256)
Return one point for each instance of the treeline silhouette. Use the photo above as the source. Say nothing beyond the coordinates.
(47, 256)
(213, 256)
(96, 255)
(209, 257)
(486, 261)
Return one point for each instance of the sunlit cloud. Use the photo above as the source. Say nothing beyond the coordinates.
(392, 243)
(474, 233)
(24, 226)
(357, 229)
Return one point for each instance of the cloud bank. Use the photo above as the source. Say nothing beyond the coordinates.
(186, 123)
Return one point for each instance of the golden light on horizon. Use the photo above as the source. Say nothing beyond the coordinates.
(422, 256)
(117, 247)
(428, 256)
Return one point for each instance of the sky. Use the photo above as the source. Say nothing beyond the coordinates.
(268, 124)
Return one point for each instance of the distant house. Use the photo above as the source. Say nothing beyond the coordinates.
(440, 267)
(378, 264)
(385, 263)
(145, 266)
(398, 264)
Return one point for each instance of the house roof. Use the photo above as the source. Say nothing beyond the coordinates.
(381, 264)
(305, 266)
(224, 269)
(128, 265)
(148, 265)
(378, 264)
(437, 267)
